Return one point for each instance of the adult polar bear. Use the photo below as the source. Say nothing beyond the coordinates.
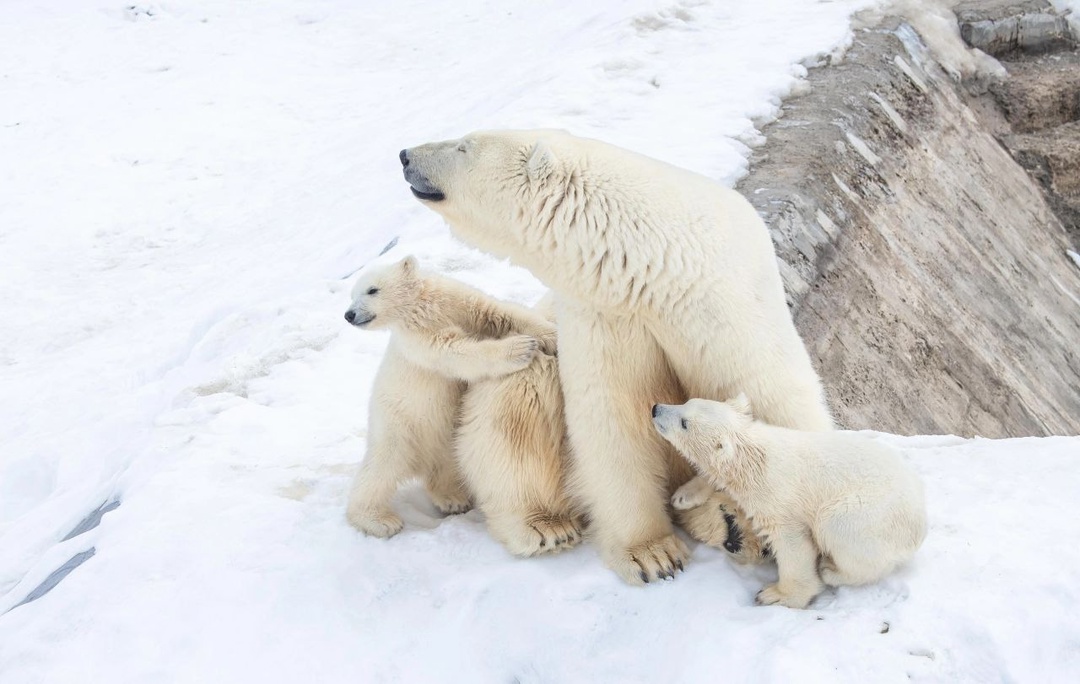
(667, 287)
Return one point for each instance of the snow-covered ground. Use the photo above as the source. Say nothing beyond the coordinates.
(184, 189)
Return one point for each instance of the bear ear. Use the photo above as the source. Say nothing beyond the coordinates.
(741, 403)
(408, 265)
(541, 162)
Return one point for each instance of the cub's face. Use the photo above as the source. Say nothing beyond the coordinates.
(484, 184)
(702, 430)
(383, 293)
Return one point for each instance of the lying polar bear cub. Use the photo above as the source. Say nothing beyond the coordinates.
(444, 334)
(834, 502)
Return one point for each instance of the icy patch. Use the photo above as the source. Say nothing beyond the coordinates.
(1074, 256)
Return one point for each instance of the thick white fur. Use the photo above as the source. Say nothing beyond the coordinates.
(667, 287)
(836, 507)
(443, 334)
(511, 447)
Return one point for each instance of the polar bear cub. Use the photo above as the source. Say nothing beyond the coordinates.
(444, 334)
(837, 508)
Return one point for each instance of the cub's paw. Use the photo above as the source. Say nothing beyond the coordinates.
(654, 560)
(521, 350)
(535, 534)
(692, 494)
(451, 503)
(383, 524)
(549, 342)
(771, 595)
(556, 533)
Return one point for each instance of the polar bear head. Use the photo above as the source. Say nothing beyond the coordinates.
(384, 294)
(705, 432)
(490, 185)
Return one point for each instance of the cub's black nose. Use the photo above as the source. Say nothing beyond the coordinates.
(350, 315)
(655, 407)
(404, 157)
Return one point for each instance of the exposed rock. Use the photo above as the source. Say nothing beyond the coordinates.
(928, 275)
(1001, 27)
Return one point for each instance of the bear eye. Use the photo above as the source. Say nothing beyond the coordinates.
(373, 290)
(683, 421)
(461, 147)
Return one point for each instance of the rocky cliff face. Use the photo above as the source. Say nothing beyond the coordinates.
(927, 272)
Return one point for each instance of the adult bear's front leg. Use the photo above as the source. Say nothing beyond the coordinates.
(612, 372)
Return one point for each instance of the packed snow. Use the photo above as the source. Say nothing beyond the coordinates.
(186, 189)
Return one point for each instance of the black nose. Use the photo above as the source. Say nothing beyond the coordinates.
(350, 315)
(404, 157)
(655, 407)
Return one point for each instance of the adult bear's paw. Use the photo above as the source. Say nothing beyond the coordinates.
(652, 561)
(721, 524)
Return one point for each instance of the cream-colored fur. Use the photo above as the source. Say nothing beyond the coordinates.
(837, 508)
(667, 287)
(443, 334)
(511, 447)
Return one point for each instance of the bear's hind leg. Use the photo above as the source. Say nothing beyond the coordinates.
(856, 549)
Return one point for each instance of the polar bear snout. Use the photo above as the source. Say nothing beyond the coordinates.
(422, 186)
(666, 418)
(358, 319)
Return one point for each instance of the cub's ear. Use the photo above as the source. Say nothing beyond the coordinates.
(541, 162)
(408, 265)
(741, 403)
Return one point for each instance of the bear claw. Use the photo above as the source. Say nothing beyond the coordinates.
(657, 559)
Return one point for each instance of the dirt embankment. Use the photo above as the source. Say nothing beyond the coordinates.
(927, 269)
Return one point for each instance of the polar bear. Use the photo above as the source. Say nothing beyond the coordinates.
(837, 503)
(443, 335)
(511, 447)
(667, 287)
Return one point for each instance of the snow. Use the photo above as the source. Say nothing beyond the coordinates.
(186, 189)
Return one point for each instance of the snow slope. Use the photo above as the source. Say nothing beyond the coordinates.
(184, 188)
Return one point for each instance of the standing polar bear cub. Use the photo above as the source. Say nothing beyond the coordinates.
(666, 285)
(834, 503)
(444, 334)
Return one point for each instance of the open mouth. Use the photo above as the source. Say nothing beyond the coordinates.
(428, 196)
(360, 322)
